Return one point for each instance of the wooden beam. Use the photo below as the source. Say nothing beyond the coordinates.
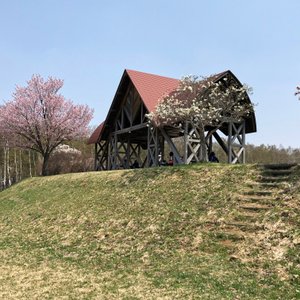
(131, 128)
(220, 142)
(172, 146)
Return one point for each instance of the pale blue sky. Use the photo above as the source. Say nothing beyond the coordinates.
(90, 43)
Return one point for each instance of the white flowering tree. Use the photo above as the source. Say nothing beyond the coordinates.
(203, 103)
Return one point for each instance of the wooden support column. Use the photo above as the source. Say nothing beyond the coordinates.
(209, 144)
(221, 142)
(161, 148)
(128, 162)
(109, 164)
(113, 151)
(96, 157)
(101, 155)
(236, 142)
(185, 142)
(229, 144)
(152, 147)
(177, 157)
(135, 154)
(244, 142)
(191, 143)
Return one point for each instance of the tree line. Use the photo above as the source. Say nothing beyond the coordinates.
(17, 163)
(76, 156)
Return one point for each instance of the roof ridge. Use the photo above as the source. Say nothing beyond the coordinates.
(151, 74)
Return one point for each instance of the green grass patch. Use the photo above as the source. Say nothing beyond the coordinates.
(139, 234)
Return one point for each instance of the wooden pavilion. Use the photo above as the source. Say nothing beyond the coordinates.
(126, 136)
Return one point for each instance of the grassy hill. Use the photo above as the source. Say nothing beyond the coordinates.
(208, 231)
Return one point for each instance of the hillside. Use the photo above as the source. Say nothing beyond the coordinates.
(191, 232)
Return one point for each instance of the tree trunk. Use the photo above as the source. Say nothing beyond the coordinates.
(4, 167)
(34, 163)
(16, 165)
(21, 166)
(8, 167)
(45, 164)
(29, 162)
(203, 147)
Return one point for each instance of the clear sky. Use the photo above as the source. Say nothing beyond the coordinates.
(90, 43)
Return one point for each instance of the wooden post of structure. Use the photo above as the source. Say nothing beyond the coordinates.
(229, 142)
(185, 142)
(244, 142)
(152, 147)
(115, 153)
(96, 156)
(148, 147)
(177, 157)
(106, 154)
(161, 148)
(210, 145)
(127, 155)
(109, 153)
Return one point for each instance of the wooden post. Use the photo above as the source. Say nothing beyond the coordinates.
(152, 147)
(109, 164)
(96, 156)
(244, 141)
(185, 142)
(236, 142)
(161, 149)
(173, 148)
(127, 155)
(210, 143)
(192, 143)
(229, 142)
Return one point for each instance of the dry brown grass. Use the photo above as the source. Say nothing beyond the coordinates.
(143, 234)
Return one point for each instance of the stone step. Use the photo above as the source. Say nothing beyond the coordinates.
(273, 179)
(270, 184)
(254, 206)
(256, 192)
(265, 186)
(286, 166)
(247, 216)
(243, 226)
(258, 199)
(277, 172)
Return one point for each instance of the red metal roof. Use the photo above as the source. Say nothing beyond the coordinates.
(152, 87)
(95, 135)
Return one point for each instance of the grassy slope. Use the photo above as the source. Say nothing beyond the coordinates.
(140, 234)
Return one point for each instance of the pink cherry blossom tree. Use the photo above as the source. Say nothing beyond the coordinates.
(203, 102)
(40, 119)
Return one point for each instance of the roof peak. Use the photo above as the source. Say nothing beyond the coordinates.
(136, 72)
(150, 74)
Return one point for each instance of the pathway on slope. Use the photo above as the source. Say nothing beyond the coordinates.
(253, 204)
